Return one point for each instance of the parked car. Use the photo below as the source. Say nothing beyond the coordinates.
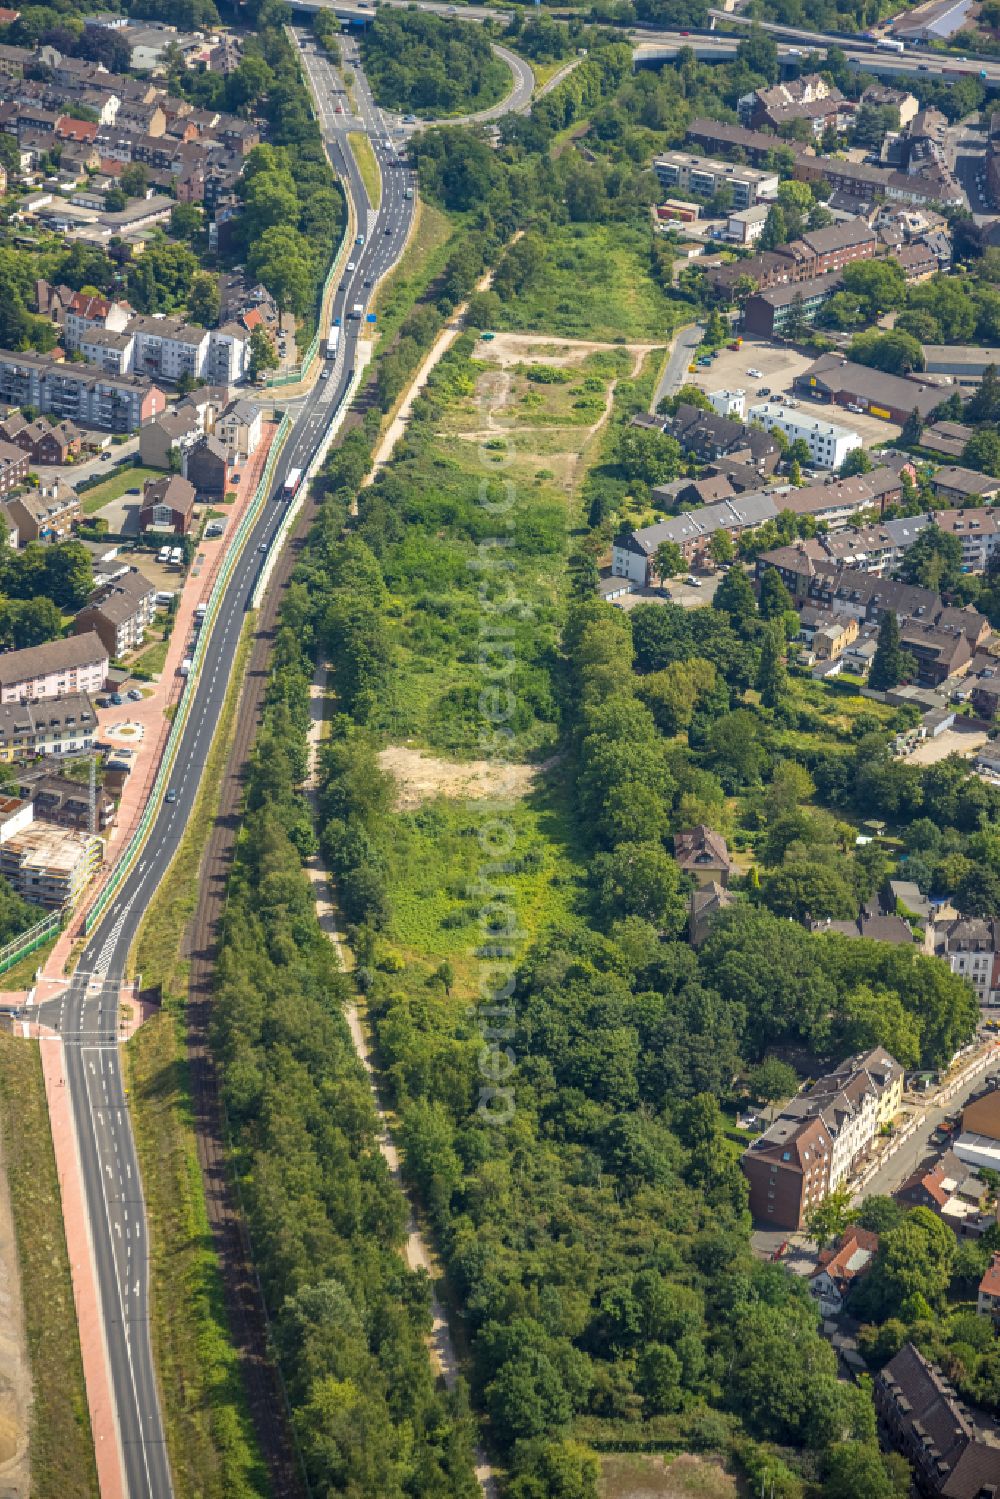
(755, 374)
(134, 694)
(692, 581)
(117, 699)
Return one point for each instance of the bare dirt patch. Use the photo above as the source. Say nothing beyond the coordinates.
(956, 741)
(540, 348)
(419, 777)
(653, 1476)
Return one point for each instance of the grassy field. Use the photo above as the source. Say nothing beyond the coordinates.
(595, 283)
(652, 1476)
(115, 486)
(62, 1449)
(371, 175)
(212, 1445)
(486, 421)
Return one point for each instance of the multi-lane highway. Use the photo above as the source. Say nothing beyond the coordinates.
(85, 1016)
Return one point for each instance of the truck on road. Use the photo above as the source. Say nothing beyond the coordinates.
(889, 44)
(293, 481)
(332, 342)
(358, 310)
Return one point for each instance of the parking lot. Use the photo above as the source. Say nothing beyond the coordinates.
(779, 367)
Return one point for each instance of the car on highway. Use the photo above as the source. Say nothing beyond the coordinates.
(360, 239)
(387, 230)
(262, 547)
(351, 266)
(171, 795)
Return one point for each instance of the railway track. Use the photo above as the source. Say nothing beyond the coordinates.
(245, 1306)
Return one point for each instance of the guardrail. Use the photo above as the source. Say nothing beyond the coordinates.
(135, 843)
(318, 458)
(36, 936)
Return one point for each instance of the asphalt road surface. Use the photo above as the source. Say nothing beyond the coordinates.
(86, 1015)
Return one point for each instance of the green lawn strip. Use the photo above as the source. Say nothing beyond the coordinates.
(371, 176)
(114, 487)
(62, 1449)
(213, 1449)
(153, 659)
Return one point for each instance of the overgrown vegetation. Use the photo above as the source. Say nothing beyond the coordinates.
(61, 1445)
(432, 65)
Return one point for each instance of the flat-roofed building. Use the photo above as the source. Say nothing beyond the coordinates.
(49, 865)
(704, 175)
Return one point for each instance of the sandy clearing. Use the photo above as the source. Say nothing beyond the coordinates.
(544, 348)
(420, 777)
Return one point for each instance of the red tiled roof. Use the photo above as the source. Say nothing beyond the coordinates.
(70, 129)
(990, 1283)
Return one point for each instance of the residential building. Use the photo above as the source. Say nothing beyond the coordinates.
(710, 436)
(59, 800)
(88, 314)
(920, 1414)
(978, 530)
(704, 175)
(51, 866)
(988, 1299)
(703, 854)
(167, 348)
(50, 443)
(820, 252)
(881, 96)
(820, 1137)
(705, 904)
(956, 484)
(840, 1267)
(206, 465)
(114, 403)
(14, 465)
(8, 527)
(891, 397)
(951, 1189)
(120, 612)
(917, 262)
(872, 922)
(167, 505)
(29, 730)
(228, 354)
(759, 147)
(776, 309)
(112, 352)
(808, 97)
(838, 501)
(168, 434)
(947, 438)
(46, 514)
(239, 430)
(729, 402)
(746, 225)
(829, 444)
(78, 663)
(633, 554)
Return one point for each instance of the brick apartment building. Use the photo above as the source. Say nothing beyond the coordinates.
(920, 1414)
(819, 1138)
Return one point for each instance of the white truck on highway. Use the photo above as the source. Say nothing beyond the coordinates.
(358, 310)
(332, 342)
(889, 44)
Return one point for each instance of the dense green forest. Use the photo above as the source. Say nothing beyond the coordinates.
(595, 1232)
(433, 65)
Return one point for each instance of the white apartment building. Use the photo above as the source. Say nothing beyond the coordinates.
(166, 348)
(729, 402)
(746, 226)
(704, 175)
(828, 443)
(228, 354)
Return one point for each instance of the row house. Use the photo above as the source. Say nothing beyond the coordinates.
(770, 312)
(920, 1415)
(65, 802)
(169, 348)
(710, 436)
(46, 514)
(970, 947)
(29, 730)
(78, 663)
(758, 147)
(978, 530)
(820, 1137)
(114, 403)
(821, 251)
(14, 465)
(633, 554)
(837, 501)
(47, 443)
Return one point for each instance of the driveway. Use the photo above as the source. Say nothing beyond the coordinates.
(72, 473)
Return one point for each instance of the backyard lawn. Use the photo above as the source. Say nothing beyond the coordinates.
(115, 485)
